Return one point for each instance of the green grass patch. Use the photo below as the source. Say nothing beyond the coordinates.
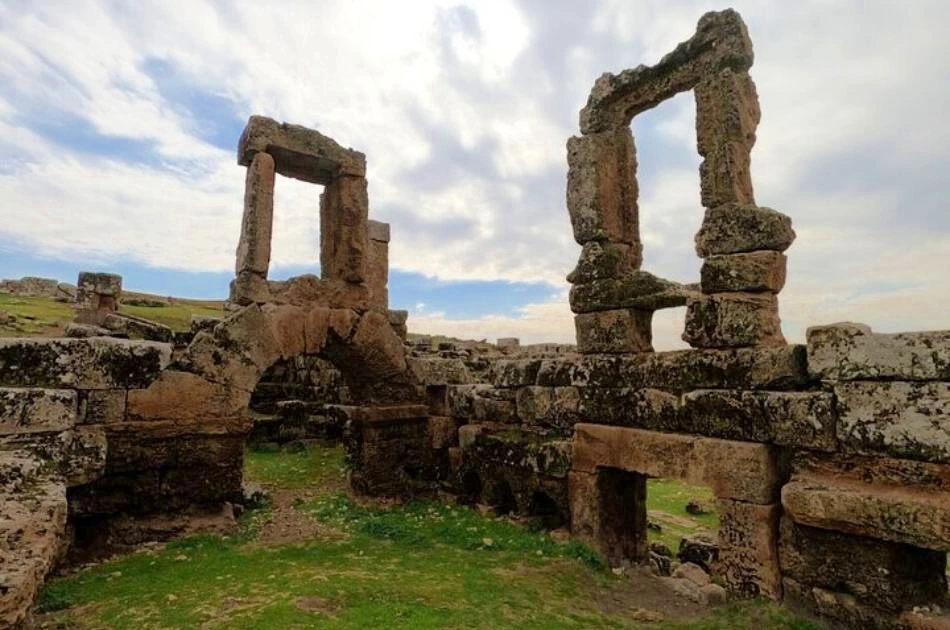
(34, 315)
(321, 468)
(175, 315)
(666, 503)
(419, 565)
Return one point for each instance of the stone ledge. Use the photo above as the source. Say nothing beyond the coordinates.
(32, 410)
(847, 352)
(735, 470)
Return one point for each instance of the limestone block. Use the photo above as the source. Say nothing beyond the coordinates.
(35, 410)
(378, 231)
(508, 343)
(601, 260)
(555, 408)
(136, 328)
(493, 410)
(185, 398)
(602, 187)
(102, 406)
(883, 574)
(344, 245)
(734, 228)
(614, 332)
(735, 470)
(249, 288)
(468, 433)
(903, 419)
(842, 608)
(381, 351)
(847, 352)
(248, 332)
(514, 372)
(316, 325)
(398, 318)
(218, 363)
(461, 399)
(732, 320)
(799, 419)
(299, 152)
(884, 470)
(583, 497)
(727, 114)
(630, 407)
(93, 363)
(98, 291)
(253, 250)
(721, 41)
(443, 432)
(521, 450)
(639, 290)
(748, 559)
(377, 273)
(919, 517)
(342, 324)
(751, 271)
(287, 324)
(438, 371)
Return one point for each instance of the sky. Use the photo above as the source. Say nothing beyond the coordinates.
(119, 123)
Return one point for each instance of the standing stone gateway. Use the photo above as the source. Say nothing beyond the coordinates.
(735, 303)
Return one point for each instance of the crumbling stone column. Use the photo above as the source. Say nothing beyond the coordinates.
(377, 266)
(253, 251)
(344, 216)
(98, 291)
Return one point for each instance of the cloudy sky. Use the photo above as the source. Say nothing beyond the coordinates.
(119, 122)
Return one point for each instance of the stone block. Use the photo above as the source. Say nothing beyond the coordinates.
(299, 152)
(914, 516)
(468, 433)
(856, 469)
(33, 410)
(727, 114)
(848, 352)
(901, 419)
(185, 398)
(583, 497)
(492, 410)
(735, 470)
(751, 271)
(614, 332)
(249, 288)
(602, 260)
(437, 371)
(799, 419)
(882, 574)
(216, 362)
(344, 213)
(287, 325)
(253, 250)
(442, 432)
(93, 363)
(377, 273)
(602, 187)
(733, 320)
(630, 407)
(842, 608)
(748, 559)
(638, 290)
(98, 291)
(102, 406)
(734, 228)
(316, 325)
(378, 231)
(514, 372)
(721, 41)
(461, 399)
(508, 343)
(551, 408)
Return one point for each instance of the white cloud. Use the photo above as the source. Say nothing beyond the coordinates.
(463, 110)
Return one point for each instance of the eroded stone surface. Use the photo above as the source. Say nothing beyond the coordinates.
(846, 352)
(733, 320)
(615, 331)
(734, 228)
(36, 410)
(750, 271)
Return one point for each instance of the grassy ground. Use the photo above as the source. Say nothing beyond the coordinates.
(666, 505)
(35, 316)
(43, 316)
(422, 565)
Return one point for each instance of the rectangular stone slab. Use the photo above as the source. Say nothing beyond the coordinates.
(35, 410)
(901, 419)
(299, 152)
(914, 516)
(845, 352)
(735, 470)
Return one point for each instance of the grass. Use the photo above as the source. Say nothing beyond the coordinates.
(35, 316)
(43, 316)
(666, 505)
(420, 565)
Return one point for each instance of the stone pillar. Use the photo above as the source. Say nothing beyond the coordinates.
(602, 202)
(98, 292)
(727, 114)
(253, 251)
(377, 267)
(742, 273)
(344, 218)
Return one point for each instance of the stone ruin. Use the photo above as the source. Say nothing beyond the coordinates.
(830, 462)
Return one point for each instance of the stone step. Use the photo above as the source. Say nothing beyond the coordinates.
(32, 534)
(93, 363)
